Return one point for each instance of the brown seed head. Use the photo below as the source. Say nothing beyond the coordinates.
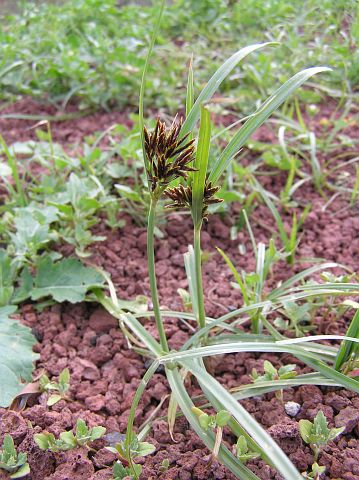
(182, 197)
(168, 155)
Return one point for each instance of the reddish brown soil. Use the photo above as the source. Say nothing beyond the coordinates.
(105, 373)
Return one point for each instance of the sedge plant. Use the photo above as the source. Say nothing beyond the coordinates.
(178, 168)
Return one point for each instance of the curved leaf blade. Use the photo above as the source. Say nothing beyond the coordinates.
(216, 80)
(259, 117)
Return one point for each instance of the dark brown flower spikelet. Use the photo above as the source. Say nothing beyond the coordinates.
(168, 155)
(182, 197)
(209, 198)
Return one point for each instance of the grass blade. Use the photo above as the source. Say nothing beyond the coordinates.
(213, 84)
(347, 347)
(190, 266)
(190, 88)
(15, 172)
(259, 117)
(201, 163)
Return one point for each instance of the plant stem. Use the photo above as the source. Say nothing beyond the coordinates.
(152, 273)
(129, 432)
(198, 263)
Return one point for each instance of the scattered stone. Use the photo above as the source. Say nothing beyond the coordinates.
(292, 408)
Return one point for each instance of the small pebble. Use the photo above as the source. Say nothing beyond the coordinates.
(292, 408)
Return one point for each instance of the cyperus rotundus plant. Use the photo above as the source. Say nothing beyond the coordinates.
(178, 168)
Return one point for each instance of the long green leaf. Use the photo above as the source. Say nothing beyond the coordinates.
(347, 348)
(190, 88)
(260, 116)
(189, 262)
(300, 276)
(201, 163)
(216, 80)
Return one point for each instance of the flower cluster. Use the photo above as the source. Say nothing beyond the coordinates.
(182, 197)
(168, 154)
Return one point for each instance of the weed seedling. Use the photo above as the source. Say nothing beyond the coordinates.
(68, 440)
(12, 462)
(186, 299)
(271, 373)
(315, 473)
(120, 472)
(318, 434)
(164, 465)
(299, 318)
(128, 452)
(243, 452)
(60, 387)
(214, 422)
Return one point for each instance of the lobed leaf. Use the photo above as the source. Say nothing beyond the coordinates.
(67, 280)
(16, 356)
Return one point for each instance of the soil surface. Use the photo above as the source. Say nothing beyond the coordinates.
(105, 372)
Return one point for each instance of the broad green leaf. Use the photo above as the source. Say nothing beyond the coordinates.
(334, 432)
(53, 399)
(305, 429)
(204, 420)
(81, 429)
(259, 117)
(64, 378)
(7, 274)
(22, 471)
(69, 440)
(16, 356)
(145, 448)
(242, 445)
(67, 280)
(24, 290)
(269, 368)
(44, 440)
(97, 432)
(222, 418)
(8, 447)
(216, 80)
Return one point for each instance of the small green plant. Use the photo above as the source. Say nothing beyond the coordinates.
(120, 472)
(317, 434)
(271, 373)
(12, 462)
(315, 472)
(186, 299)
(299, 319)
(243, 451)
(128, 452)
(68, 440)
(61, 387)
(213, 422)
(164, 465)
